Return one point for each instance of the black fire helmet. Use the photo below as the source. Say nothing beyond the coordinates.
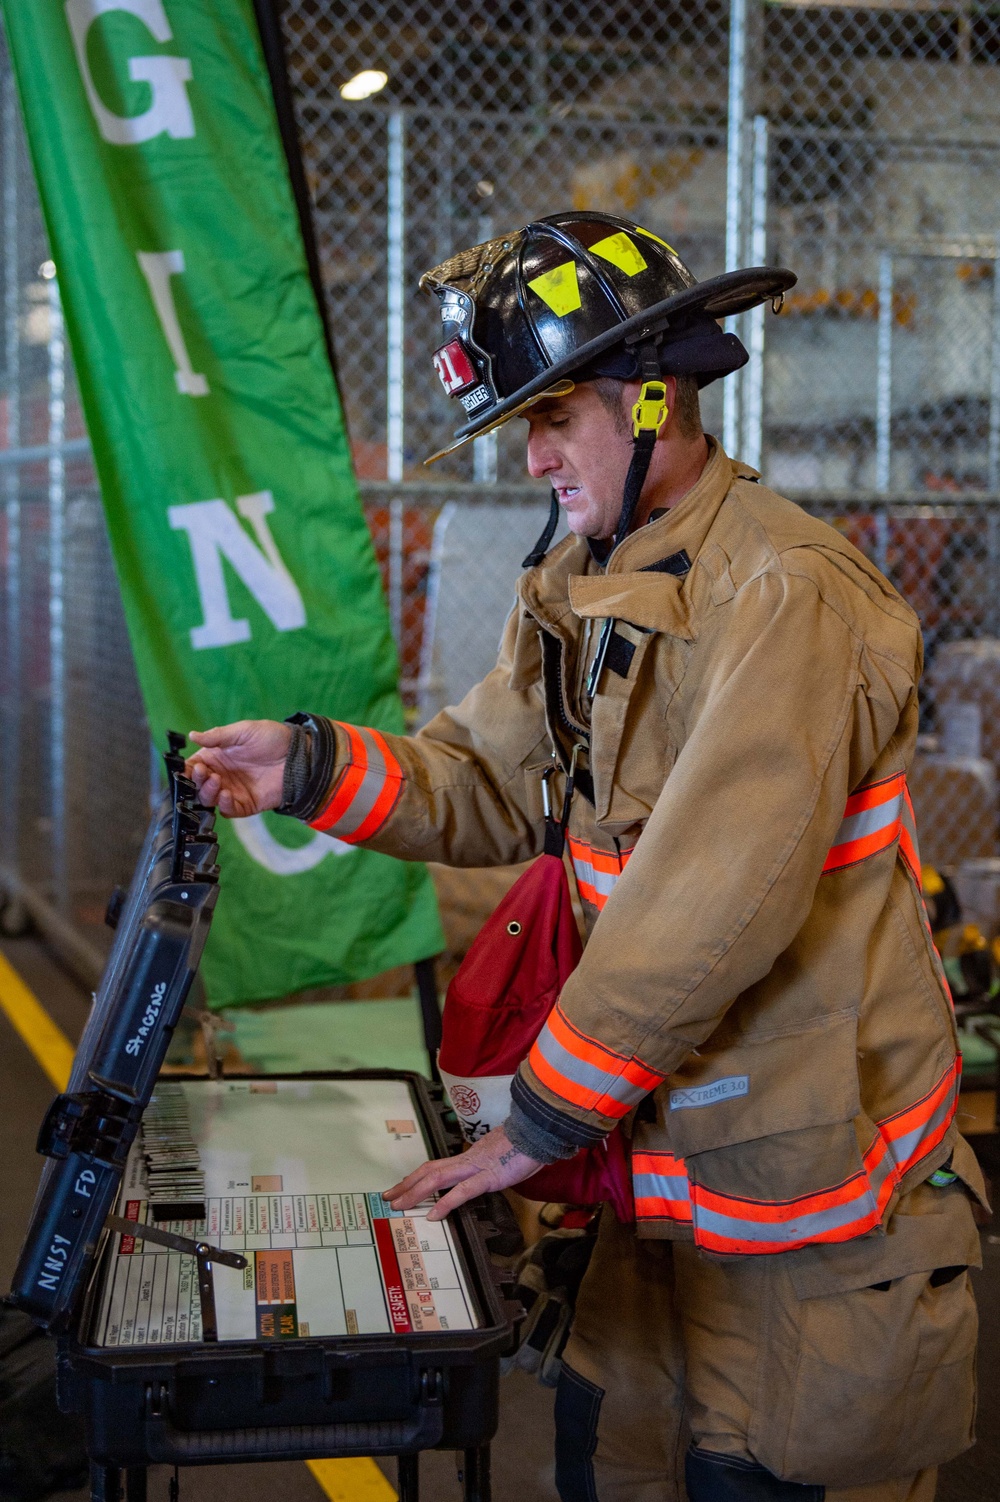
(573, 297)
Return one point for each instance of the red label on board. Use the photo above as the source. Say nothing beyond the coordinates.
(395, 1295)
(126, 1246)
(454, 367)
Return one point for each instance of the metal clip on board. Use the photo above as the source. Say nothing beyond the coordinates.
(204, 1254)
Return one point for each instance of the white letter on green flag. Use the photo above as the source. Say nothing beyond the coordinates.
(248, 576)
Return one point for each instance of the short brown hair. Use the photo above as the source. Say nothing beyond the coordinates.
(686, 406)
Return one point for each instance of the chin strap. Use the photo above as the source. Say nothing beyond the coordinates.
(541, 547)
(648, 416)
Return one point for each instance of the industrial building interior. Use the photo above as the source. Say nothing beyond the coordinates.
(859, 145)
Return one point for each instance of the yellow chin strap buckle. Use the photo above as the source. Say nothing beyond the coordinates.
(651, 410)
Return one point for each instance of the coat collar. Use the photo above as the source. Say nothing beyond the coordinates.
(685, 525)
(569, 582)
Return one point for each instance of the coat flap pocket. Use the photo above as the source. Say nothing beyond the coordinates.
(965, 1164)
(760, 1087)
(526, 663)
(652, 601)
(913, 1243)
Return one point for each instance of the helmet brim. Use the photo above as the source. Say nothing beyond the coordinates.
(719, 297)
(559, 388)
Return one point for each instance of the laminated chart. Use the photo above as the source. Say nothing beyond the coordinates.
(278, 1157)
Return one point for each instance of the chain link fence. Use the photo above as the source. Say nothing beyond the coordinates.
(859, 145)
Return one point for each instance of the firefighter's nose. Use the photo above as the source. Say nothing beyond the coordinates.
(542, 457)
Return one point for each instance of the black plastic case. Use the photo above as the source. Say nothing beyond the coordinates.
(201, 1403)
(278, 1400)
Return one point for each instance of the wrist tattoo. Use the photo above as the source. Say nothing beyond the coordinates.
(506, 1157)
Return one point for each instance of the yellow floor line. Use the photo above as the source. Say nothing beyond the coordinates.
(49, 1044)
(352, 1480)
(356, 1480)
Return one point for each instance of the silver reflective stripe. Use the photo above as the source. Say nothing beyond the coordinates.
(661, 1186)
(599, 1080)
(804, 1227)
(905, 1149)
(603, 882)
(869, 821)
(368, 792)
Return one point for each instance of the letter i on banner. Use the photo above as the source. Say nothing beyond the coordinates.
(248, 577)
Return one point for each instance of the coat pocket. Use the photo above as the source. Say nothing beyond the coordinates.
(804, 1077)
(882, 1383)
(769, 1138)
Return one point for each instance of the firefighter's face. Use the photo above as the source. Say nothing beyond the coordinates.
(583, 448)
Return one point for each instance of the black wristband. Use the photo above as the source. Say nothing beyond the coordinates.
(308, 766)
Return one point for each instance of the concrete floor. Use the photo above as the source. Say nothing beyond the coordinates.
(522, 1452)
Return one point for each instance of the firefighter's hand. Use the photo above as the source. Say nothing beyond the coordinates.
(241, 767)
(491, 1163)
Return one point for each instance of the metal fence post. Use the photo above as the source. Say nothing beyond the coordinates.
(883, 388)
(753, 377)
(993, 454)
(396, 570)
(395, 255)
(484, 448)
(882, 539)
(735, 143)
(57, 596)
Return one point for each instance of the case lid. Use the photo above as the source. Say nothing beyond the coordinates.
(162, 924)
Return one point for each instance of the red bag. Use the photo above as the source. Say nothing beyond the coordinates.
(494, 1010)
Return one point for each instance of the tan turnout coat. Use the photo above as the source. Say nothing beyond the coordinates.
(759, 1002)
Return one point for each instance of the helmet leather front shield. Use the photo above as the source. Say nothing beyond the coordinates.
(464, 370)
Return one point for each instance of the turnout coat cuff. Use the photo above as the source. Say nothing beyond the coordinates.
(308, 766)
(548, 1120)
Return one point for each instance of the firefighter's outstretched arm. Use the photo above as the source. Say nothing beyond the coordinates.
(465, 791)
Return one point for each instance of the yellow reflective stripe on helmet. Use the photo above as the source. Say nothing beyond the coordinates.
(650, 236)
(559, 289)
(621, 252)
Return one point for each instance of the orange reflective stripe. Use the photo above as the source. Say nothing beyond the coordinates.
(585, 1073)
(351, 780)
(728, 1223)
(596, 871)
(661, 1187)
(367, 791)
(909, 850)
(601, 860)
(875, 794)
(386, 800)
(871, 823)
(917, 1130)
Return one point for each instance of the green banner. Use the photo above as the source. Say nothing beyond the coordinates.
(249, 580)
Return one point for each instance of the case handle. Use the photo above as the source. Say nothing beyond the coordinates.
(168, 1445)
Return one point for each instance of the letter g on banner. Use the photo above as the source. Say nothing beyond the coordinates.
(170, 109)
(285, 860)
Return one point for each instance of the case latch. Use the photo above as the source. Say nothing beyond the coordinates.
(96, 1125)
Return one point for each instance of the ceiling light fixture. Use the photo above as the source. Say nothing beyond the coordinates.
(364, 84)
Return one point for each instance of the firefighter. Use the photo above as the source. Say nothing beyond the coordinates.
(759, 1003)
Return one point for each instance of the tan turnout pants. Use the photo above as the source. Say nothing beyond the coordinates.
(864, 1391)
